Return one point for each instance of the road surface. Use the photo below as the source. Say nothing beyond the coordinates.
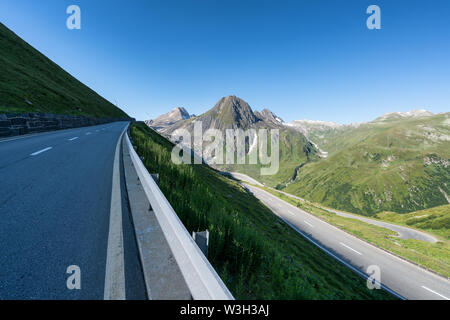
(401, 277)
(403, 232)
(56, 210)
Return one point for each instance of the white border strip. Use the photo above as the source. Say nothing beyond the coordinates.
(115, 261)
(201, 278)
(437, 293)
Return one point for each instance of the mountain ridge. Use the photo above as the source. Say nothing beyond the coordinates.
(396, 164)
(31, 82)
(399, 166)
(231, 112)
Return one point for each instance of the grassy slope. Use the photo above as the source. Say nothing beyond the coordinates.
(435, 256)
(380, 167)
(435, 220)
(26, 74)
(255, 253)
(294, 151)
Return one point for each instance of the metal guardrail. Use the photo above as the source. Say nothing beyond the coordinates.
(201, 278)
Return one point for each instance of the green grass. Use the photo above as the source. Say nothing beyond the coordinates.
(294, 151)
(434, 256)
(381, 167)
(435, 220)
(256, 254)
(27, 75)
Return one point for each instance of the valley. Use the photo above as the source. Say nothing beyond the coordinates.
(398, 162)
(430, 250)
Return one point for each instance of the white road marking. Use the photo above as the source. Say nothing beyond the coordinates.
(350, 248)
(292, 214)
(74, 138)
(40, 151)
(309, 224)
(115, 262)
(440, 295)
(32, 135)
(362, 274)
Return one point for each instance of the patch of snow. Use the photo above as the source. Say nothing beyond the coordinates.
(255, 141)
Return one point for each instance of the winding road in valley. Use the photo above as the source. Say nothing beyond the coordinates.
(403, 232)
(398, 276)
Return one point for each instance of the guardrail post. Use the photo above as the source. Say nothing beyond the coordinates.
(202, 240)
(155, 177)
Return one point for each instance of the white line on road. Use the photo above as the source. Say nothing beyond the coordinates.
(74, 138)
(309, 224)
(362, 274)
(115, 262)
(350, 248)
(40, 151)
(440, 295)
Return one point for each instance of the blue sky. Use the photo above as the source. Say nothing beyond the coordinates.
(312, 59)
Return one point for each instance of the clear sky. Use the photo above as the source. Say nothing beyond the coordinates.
(313, 59)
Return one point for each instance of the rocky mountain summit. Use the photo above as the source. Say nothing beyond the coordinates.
(168, 119)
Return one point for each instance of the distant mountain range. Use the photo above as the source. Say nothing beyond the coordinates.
(395, 163)
(398, 162)
(232, 112)
(392, 116)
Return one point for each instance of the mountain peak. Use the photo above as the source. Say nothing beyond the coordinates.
(181, 113)
(170, 118)
(269, 116)
(233, 111)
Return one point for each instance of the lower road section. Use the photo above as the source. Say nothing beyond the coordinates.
(396, 275)
(55, 207)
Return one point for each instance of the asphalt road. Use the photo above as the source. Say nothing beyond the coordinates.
(401, 277)
(403, 232)
(55, 204)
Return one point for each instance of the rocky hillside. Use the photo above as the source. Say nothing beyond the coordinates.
(232, 112)
(167, 120)
(399, 165)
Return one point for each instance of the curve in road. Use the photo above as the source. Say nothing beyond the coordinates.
(397, 275)
(403, 232)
